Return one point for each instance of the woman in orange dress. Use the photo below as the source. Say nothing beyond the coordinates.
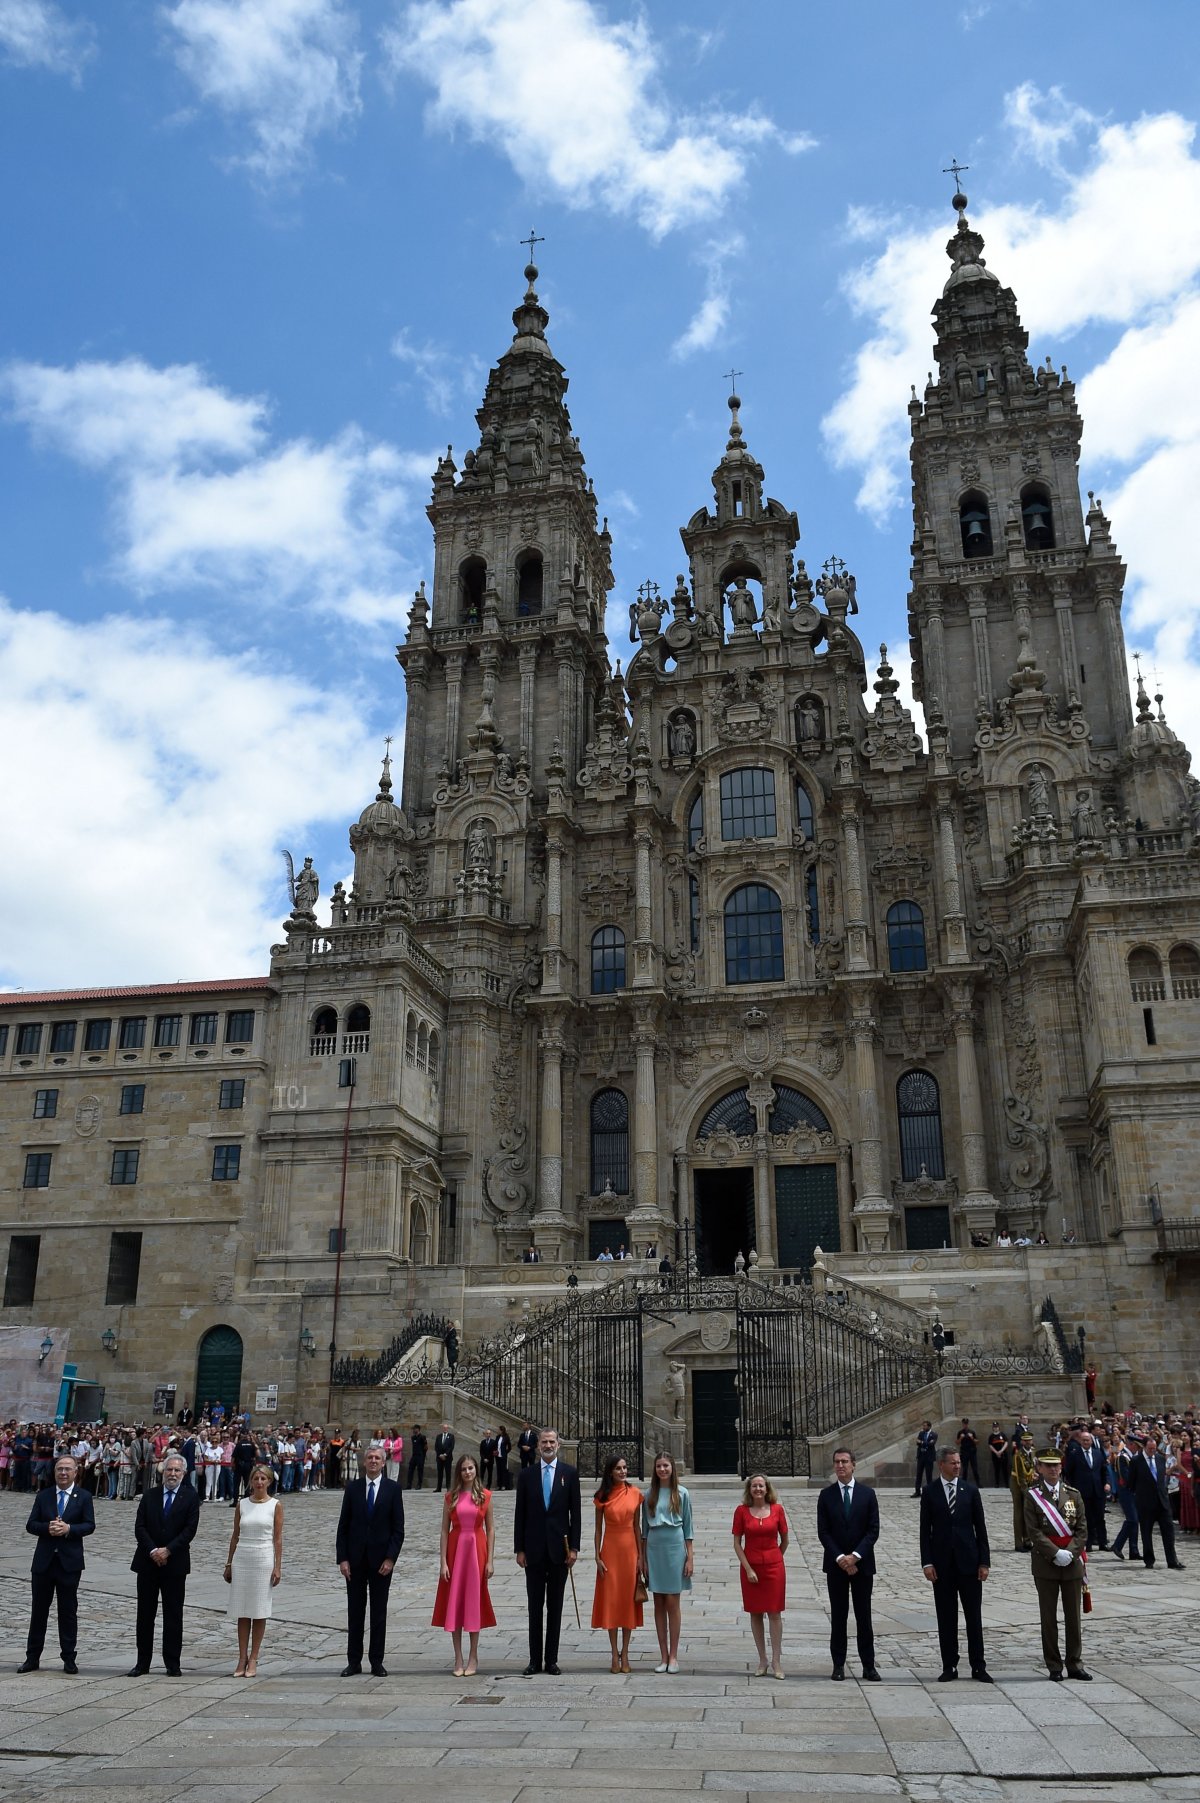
(468, 1552)
(618, 1559)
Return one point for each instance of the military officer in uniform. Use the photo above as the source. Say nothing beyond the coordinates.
(1056, 1527)
(1022, 1475)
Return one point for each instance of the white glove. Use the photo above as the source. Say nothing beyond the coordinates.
(1063, 1556)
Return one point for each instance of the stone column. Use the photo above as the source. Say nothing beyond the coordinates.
(1060, 589)
(873, 1212)
(548, 1201)
(953, 917)
(527, 664)
(1116, 673)
(645, 1119)
(935, 654)
(764, 1214)
(414, 730)
(978, 609)
(552, 953)
(454, 670)
(856, 926)
(979, 1205)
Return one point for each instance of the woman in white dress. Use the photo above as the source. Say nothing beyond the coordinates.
(254, 1566)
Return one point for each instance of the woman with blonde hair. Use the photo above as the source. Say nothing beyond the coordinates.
(616, 1605)
(667, 1540)
(468, 1552)
(760, 1539)
(254, 1566)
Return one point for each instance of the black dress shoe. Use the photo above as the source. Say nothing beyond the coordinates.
(552, 1671)
(983, 1676)
(379, 1671)
(30, 1665)
(352, 1671)
(871, 1675)
(1077, 1672)
(948, 1674)
(1116, 1554)
(1056, 1677)
(70, 1667)
(138, 1671)
(531, 1670)
(1177, 1566)
(173, 1671)
(838, 1674)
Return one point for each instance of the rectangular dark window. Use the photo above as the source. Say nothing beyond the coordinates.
(133, 1033)
(62, 1036)
(20, 1280)
(227, 1162)
(337, 1239)
(96, 1035)
(748, 804)
(3, 1040)
(37, 1170)
(45, 1104)
(239, 1026)
(1148, 1023)
(29, 1039)
(203, 1030)
(124, 1264)
(233, 1093)
(124, 1165)
(167, 1028)
(133, 1098)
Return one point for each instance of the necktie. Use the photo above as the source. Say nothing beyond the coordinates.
(371, 1495)
(547, 1480)
(168, 1499)
(62, 1503)
(846, 1498)
(951, 1497)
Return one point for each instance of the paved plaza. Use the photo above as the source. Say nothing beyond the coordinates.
(299, 1730)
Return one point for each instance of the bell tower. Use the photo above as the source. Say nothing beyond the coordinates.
(510, 652)
(1008, 578)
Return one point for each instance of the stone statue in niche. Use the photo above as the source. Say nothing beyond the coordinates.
(708, 621)
(673, 1384)
(742, 610)
(479, 847)
(1039, 794)
(1085, 821)
(399, 883)
(681, 736)
(808, 719)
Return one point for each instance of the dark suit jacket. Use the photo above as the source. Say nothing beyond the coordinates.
(1150, 1487)
(539, 1532)
(370, 1539)
(79, 1516)
(953, 1544)
(176, 1532)
(1089, 1480)
(856, 1532)
(443, 1446)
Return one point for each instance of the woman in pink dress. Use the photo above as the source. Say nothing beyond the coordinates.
(468, 1554)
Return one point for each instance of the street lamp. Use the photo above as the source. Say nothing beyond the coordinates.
(307, 1342)
(108, 1340)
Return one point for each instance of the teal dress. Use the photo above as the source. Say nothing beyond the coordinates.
(666, 1536)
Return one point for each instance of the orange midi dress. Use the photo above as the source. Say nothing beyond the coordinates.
(613, 1605)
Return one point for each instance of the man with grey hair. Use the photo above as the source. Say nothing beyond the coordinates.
(164, 1529)
(61, 1515)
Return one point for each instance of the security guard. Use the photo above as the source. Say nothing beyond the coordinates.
(1056, 1526)
(1022, 1475)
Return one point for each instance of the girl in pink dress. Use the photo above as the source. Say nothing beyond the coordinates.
(467, 1557)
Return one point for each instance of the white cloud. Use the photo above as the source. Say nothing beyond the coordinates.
(202, 497)
(155, 778)
(288, 69)
(712, 315)
(1045, 123)
(445, 376)
(574, 103)
(37, 34)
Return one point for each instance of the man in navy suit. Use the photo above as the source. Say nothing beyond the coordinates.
(60, 1517)
(164, 1529)
(1086, 1470)
(956, 1559)
(370, 1533)
(547, 1528)
(1149, 1471)
(848, 1527)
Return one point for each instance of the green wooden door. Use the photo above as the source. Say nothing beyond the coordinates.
(714, 1420)
(806, 1211)
(219, 1369)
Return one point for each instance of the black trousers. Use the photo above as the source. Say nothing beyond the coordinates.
(416, 1469)
(970, 1461)
(544, 1587)
(1161, 1518)
(999, 1470)
(1097, 1527)
(526, 1457)
(503, 1480)
(47, 1586)
(151, 1586)
(842, 1592)
(948, 1592)
(364, 1585)
(487, 1471)
(924, 1475)
(443, 1469)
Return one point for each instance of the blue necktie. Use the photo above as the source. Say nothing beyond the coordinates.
(371, 1495)
(846, 1498)
(547, 1480)
(168, 1499)
(62, 1503)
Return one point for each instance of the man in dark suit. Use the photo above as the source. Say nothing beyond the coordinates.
(968, 1450)
(547, 1526)
(418, 1446)
(487, 1459)
(1149, 1471)
(527, 1442)
(1085, 1469)
(956, 1559)
(164, 1529)
(443, 1452)
(848, 1527)
(60, 1517)
(926, 1454)
(370, 1533)
(503, 1448)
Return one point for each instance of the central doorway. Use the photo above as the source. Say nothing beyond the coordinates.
(714, 1420)
(724, 1218)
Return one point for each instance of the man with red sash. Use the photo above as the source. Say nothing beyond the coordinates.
(1056, 1526)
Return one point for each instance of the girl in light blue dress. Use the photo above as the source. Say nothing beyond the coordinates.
(667, 1539)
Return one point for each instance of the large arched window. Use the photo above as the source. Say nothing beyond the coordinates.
(1037, 518)
(1146, 975)
(906, 936)
(753, 935)
(608, 960)
(695, 824)
(529, 583)
(610, 1141)
(359, 1019)
(805, 820)
(919, 1108)
(472, 581)
(792, 1108)
(732, 1114)
(324, 1022)
(748, 804)
(975, 525)
(1185, 973)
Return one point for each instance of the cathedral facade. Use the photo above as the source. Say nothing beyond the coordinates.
(717, 957)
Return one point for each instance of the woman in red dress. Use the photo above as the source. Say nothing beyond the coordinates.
(468, 1550)
(760, 1539)
(1189, 1502)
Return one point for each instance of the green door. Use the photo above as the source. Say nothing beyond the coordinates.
(714, 1420)
(806, 1211)
(219, 1369)
(926, 1228)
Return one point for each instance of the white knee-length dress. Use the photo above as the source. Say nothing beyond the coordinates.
(253, 1560)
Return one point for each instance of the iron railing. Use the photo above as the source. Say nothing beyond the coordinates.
(1072, 1351)
(364, 1373)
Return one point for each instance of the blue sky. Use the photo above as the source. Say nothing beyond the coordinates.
(259, 255)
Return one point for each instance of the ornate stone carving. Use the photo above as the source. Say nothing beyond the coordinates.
(830, 1052)
(607, 769)
(745, 710)
(716, 1331)
(88, 1114)
(505, 1189)
(607, 895)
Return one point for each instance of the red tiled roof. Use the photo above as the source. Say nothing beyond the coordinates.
(215, 986)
